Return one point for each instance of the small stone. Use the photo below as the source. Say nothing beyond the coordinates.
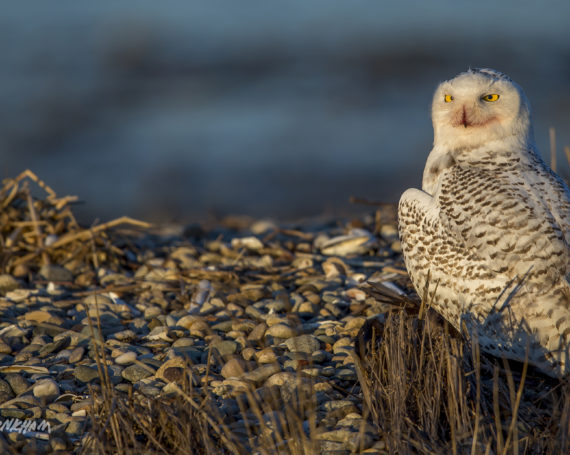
(76, 354)
(237, 386)
(8, 283)
(234, 367)
(257, 332)
(243, 325)
(83, 373)
(17, 382)
(226, 347)
(126, 358)
(6, 392)
(5, 348)
(251, 243)
(346, 374)
(15, 413)
(38, 316)
(52, 272)
(266, 355)
(342, 345)
(57, 444)
(304, 343)
(306, 309)
(260, 374)
(136, 372)
(75, 427)
(319, 356)
(353, 440)
(124, 335)
(280, 331)
(46, 389)
(224, 326)
(355, 323)
(248, 353)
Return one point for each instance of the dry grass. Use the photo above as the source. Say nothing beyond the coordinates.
(428, 392)
(191, 421)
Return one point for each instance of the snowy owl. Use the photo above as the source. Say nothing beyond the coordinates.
(486, 240)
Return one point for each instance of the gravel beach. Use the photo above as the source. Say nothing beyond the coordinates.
(248, 306)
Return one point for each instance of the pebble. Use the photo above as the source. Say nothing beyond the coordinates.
(225, 348)
(258, 332)
(76, 355)
(83, 373)
(137, 372)
(303, 343)
(280, 331)
(52, 272)
(18, 383)
(46, 389)
(260, 374)
(8, 283)
(6, 392)
(234, 367)
(126, 358)
(266, 355)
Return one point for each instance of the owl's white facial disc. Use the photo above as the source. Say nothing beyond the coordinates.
(478, 107)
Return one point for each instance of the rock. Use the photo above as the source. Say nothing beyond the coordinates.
(346, 374)
(280, 331)
(357, 241)
(243, 325)
(343, 345)
(83, 373)
(136, 372)
(251, 243)
(8, 283)
(266, 355)
(52, 272)
(5, 348)
(237, 386)
(54, 347)
(76, 355)
(260, 374)
(303, 343)
(6, 392)
(257, 332)
(226, 347)
(75, 427)
(57, 444)
(46, 390)
(18, 383)
(126, 358)
(319, 356)
(212, 306)
(353, 440)
(37, 316)
(234, 367)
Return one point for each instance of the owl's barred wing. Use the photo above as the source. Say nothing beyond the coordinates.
(502, 220)
(439, 263)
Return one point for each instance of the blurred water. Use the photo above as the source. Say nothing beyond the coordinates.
(173, 110)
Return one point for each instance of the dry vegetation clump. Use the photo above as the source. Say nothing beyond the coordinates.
(430, 392)
(40, 230)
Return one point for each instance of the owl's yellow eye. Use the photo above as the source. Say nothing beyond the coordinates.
(448, 98)
(490, 98)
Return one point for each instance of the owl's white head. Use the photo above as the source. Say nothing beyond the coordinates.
(478, 107)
